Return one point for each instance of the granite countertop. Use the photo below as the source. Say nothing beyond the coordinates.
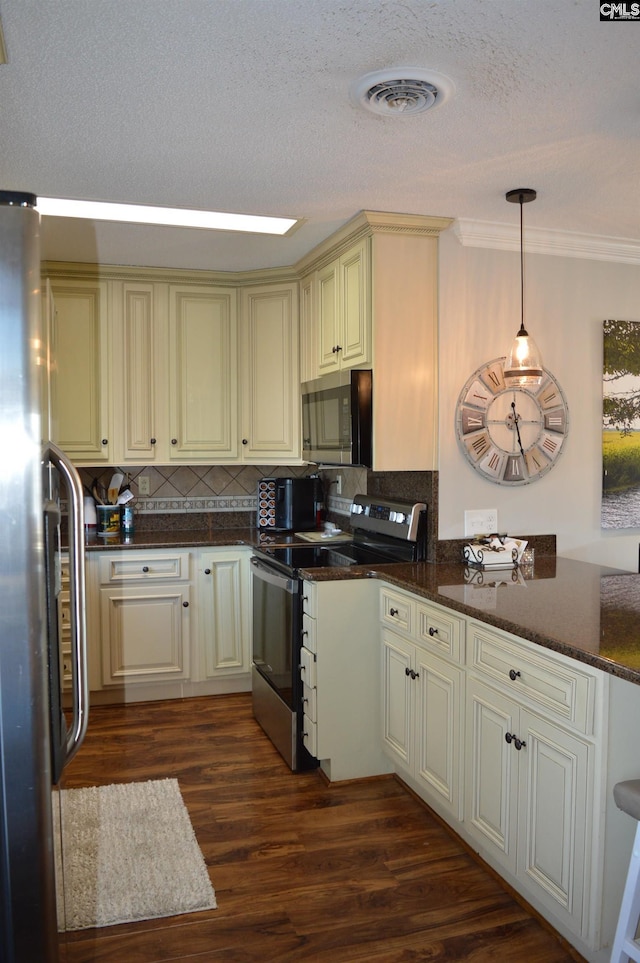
(587, 612)
(178, 538)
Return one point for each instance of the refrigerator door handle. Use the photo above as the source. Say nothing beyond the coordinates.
(80, 680)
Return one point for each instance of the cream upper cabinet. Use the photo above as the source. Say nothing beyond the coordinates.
(140, 372)
(80, 359)
(269, 374)
(202, 373)
(174, 372)
(376, 305)
(343, 312)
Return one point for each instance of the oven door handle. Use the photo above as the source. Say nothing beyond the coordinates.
(290, 585)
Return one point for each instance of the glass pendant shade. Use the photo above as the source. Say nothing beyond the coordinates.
(524, 364)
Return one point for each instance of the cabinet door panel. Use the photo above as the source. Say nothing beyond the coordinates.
(438, 721)
(491, 784)
(145, 636)
(328, 317)
(203, 342)
(224, 634)
(397, 696)
(551, 847)
(138, 366)
(354, 279)
(81, 370)
(270, 365)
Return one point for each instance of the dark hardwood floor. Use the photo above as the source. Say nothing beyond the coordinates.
(303, 871)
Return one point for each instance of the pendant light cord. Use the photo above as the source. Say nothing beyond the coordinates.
(522, 328)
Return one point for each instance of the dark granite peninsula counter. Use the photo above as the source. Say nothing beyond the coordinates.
(585, 611)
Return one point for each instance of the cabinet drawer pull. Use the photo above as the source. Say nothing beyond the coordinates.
(145, 568)
(207, 571)
(432, 631)
(393, 612)
(174, 441)
(245, 441)
(185, 605)
(513, 674)
(105, 441)
(152, 441)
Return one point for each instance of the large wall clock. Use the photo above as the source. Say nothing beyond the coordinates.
(511, 435)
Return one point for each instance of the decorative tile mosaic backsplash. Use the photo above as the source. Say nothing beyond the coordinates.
(219, 488)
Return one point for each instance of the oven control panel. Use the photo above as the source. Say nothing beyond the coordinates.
(388, 516)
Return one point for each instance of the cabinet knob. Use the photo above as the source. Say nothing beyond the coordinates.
(174, 441)
(152, 441)
(393, 612)
(245, 441)
(508, 737)
(336, 348)
(414, 675)
(145, 568)
(513, 674)
(207, 571)
(105, 441)
(432, 631)
(519, 743)
(185, 605)
(407, 671)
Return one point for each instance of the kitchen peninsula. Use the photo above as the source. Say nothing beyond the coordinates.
(467, 669)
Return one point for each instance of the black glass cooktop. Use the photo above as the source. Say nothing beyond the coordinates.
(292, 559)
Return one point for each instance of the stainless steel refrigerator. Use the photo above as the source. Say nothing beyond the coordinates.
(37, 736)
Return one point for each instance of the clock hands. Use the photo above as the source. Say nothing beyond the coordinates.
(516, 419)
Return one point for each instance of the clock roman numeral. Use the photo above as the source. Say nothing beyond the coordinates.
(479, 445)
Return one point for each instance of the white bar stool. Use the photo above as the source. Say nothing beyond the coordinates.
(625, 947)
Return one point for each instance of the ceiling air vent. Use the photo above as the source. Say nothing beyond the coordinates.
(401, 91)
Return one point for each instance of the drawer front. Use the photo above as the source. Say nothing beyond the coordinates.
(309, 633)
(127, 568)
(397, 610)
(547, 681)
(310, 735)
(310, 599)
(310, 702)
(308, 668)
(440, 632)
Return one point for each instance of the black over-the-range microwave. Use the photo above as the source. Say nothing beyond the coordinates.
(337, 412)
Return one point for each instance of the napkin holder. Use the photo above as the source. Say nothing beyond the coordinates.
(494, 552)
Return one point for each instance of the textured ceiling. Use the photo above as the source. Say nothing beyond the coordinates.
(244, 105)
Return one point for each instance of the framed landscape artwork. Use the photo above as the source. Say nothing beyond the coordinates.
(621, 425)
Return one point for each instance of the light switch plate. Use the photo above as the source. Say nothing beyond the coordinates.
(480, 521)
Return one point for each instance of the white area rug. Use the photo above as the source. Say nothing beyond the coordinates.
(130, 853)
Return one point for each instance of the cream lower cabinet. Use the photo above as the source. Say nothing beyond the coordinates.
(422, 699)
(224, 613)
(528, 788)
(340, 671)
(144, 617)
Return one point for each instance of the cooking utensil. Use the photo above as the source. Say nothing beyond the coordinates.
(114, 487)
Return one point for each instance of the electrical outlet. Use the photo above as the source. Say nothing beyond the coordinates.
(143, 484)
(339, 483)
(481, 521)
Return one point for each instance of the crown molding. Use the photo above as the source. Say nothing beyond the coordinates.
(506, 237)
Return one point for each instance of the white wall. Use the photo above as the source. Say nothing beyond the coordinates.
(566, 301)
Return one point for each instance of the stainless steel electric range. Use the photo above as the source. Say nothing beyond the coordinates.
(384, 530)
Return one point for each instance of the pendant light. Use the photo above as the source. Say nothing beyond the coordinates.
(524, 364)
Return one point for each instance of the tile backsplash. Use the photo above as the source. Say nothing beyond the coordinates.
(194, 488)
